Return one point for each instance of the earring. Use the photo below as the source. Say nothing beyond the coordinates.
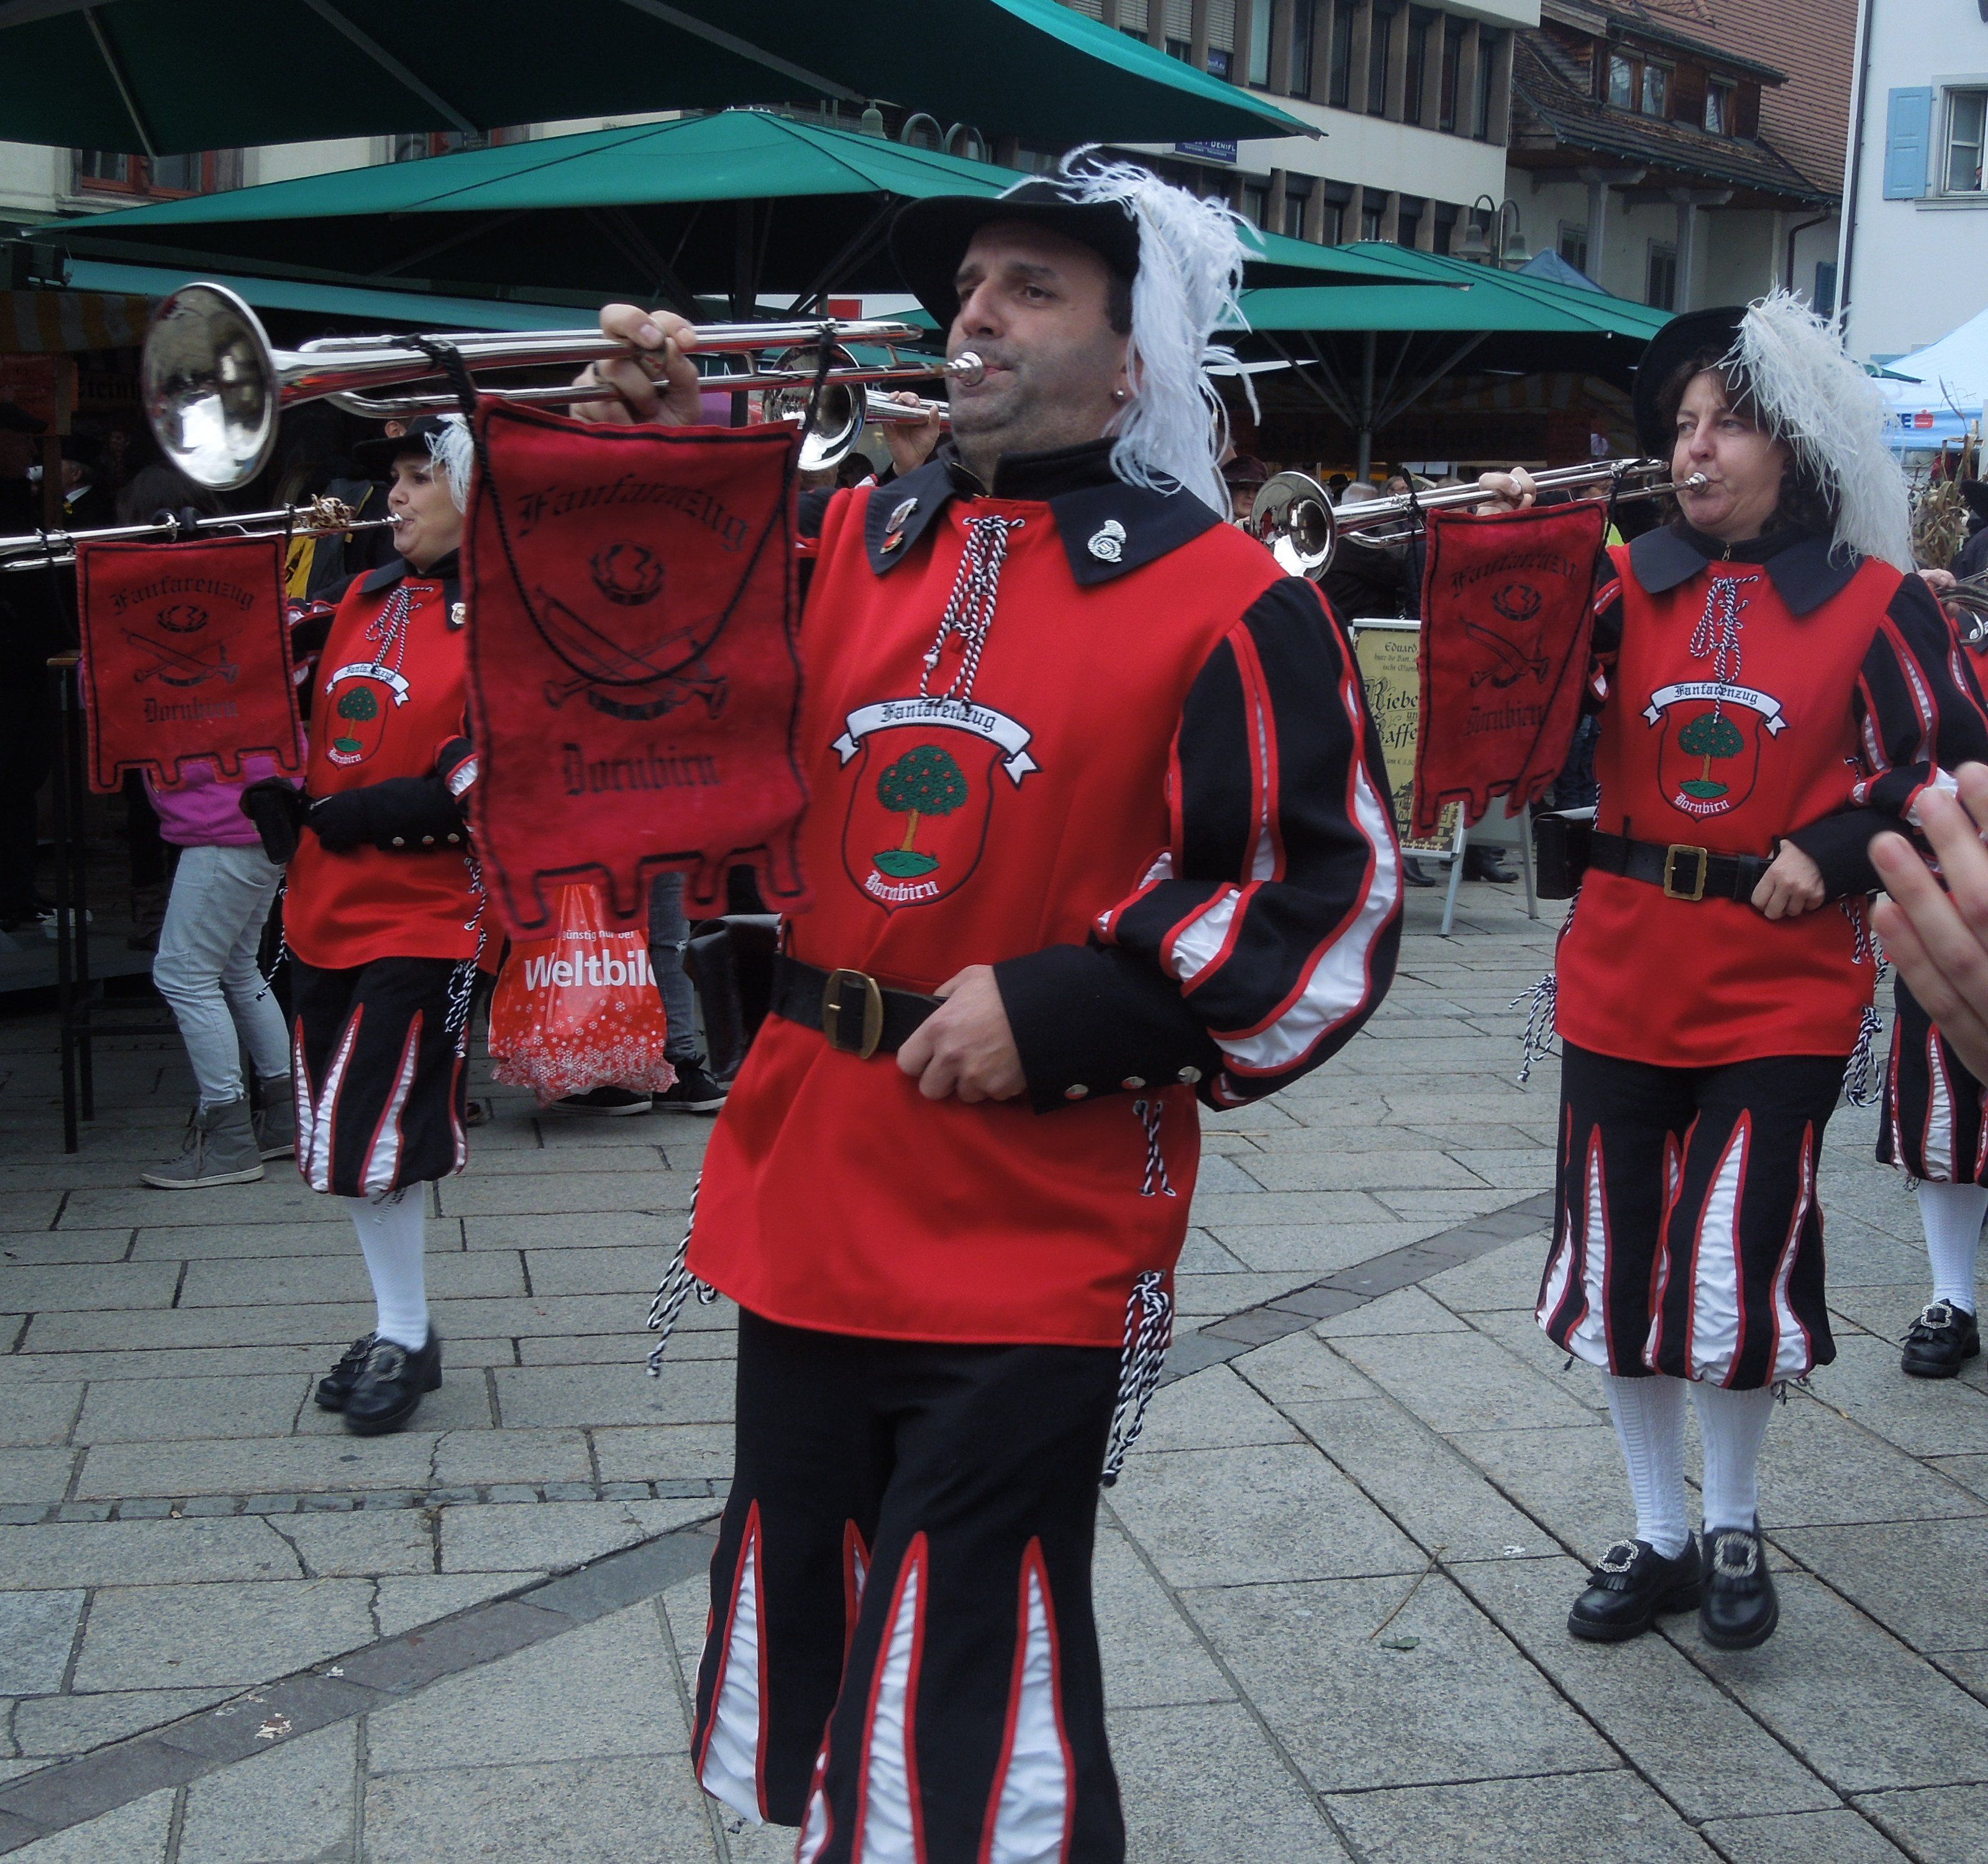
(1117, 394)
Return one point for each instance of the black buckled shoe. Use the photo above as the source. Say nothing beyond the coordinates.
(1740, 1609)
(391, 1384)
(1940, 1341)
(336, 1386)
(1631, 1585)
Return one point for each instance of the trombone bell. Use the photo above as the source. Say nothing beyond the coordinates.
(209, 386)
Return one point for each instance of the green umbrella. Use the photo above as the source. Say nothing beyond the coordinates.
(1369, 352)
(165, 76)
(742, 202)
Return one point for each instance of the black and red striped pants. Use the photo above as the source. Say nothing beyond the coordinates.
(902, 1658)
(1687, 1238)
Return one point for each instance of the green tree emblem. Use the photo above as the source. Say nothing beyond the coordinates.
(924, 781)
(1710, 734)
(360, 707)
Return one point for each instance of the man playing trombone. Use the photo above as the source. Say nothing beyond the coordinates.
(1098, 826)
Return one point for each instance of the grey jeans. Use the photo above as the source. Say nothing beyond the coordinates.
(206, 968)
(669, 938)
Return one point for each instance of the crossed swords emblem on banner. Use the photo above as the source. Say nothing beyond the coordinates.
(183, 666)
(629, 577)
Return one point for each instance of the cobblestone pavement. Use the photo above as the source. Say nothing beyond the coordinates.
(1333, 1583)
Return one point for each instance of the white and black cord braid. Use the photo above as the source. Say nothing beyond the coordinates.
(1149, 1331)
(675, 1288)
(1157, 1183)
(1863, 1078)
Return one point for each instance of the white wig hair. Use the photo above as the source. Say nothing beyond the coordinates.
(453, 451)
(1173, 431)
(1832, 416)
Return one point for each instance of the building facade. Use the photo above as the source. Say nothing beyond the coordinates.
(1914, 263)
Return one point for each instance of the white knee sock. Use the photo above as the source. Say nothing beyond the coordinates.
(1731, 1424)
(1649, 1419)
(390, 1232)
(1952, 1214)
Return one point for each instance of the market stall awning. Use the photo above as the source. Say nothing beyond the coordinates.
(743, 201)
(1377, 351)
(169, 76)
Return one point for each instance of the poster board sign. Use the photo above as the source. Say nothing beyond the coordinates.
(43, 387)
(1387, 654)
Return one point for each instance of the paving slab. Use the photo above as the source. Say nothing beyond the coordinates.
(187, 1635)
(297, 1800)
(1152, 1656)
(37, 1633)
(161, 1410)
(468, 1458)
(451, 1274)
(688, 1391)
(259, 1466)
(41, 1413)
(133, 1834)
(1201, 1782)
(359, 1545)
(1213, 1408)
(405, 1602)
(1462, 1703)
(601, 1691)
(69, 1288)
(1683, 1733)
(1550, 1817)
(1430, 1491)
(49, 1726)
(1254, 1514)
(569, 1812)
(143, 1553)
(655, 1452)
(1909, 1726)
(1843, 1837)
(1463, 1382)
(1947, 1827)
(494, 1537)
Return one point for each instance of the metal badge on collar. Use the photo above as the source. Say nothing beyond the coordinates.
(893, 526)
(1107, 542)
(459, 613)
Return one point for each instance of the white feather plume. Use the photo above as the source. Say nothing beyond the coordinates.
(1833, 415)
(1174, 430)
(453, 451)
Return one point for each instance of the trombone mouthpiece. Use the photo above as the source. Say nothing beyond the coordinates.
(966, 368)
(1696, 482)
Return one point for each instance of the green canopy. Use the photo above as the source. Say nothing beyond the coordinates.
(1368, 352)
(739, 203)
(165, 76)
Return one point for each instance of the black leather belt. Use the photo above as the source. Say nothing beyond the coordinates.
(855, 1014)
(1684, 872)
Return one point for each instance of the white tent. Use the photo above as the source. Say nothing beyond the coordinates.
(1945, 387)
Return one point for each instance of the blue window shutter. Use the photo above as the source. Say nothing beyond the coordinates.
(1908, 133)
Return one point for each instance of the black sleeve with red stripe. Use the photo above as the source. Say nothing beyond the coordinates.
(1919, 714)
(1266, 934)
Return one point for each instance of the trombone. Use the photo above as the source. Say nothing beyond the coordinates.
(213, 386)
(1295, 515)
(320, 517)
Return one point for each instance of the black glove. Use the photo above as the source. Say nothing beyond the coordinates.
(404, 815)
(278, 809)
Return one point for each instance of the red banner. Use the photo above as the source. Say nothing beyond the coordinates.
(634, 674)
(1507, 613)
(186, 658)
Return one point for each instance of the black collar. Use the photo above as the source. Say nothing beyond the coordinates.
(1107, 527)
(448, 571)
(1805, 570)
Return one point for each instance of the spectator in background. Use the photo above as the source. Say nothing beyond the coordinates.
(86, 503)
(206, 970)
(1244, 475)
(1971, 558)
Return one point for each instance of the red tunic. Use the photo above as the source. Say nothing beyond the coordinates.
(1736, 719)
(834, 1196)
(389, 698)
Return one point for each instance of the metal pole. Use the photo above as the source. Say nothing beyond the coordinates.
(1368, 343)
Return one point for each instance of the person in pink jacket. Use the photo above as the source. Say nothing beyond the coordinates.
(206, 970)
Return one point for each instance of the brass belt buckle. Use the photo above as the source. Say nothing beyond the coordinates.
(1672, 890)
(833, 999)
